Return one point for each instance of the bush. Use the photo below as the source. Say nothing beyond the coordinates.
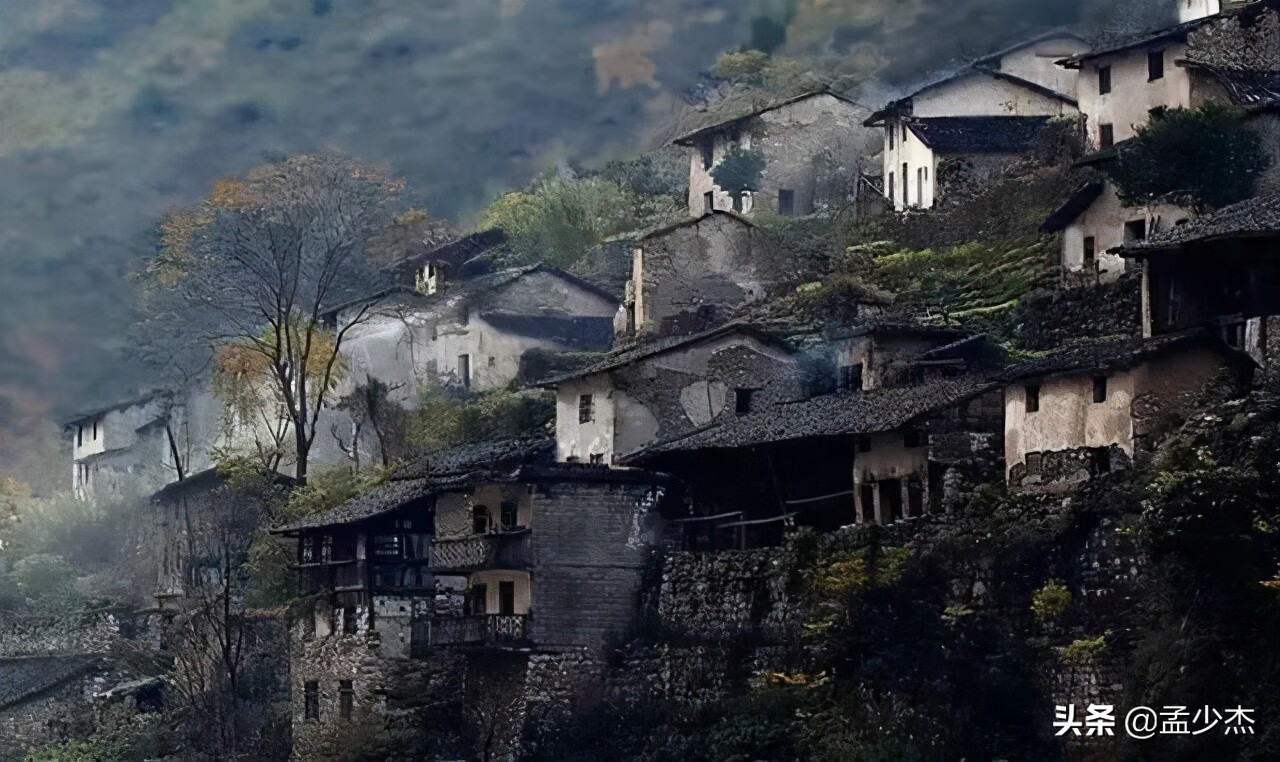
(445, 418)
(1049, 602)
(1204, 158)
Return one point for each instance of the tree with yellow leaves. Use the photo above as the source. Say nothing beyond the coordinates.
(255, 275)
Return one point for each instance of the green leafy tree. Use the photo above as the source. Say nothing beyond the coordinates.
(739, 171)
(1204, 158)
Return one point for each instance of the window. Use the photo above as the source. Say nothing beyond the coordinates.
(1099, 389)
(479, 599)
(510, 514)
(915, 499)
(311, 700)
(80, 435)
(586, 408)
(1155, 65)
(892, 132)
(863, 443)
(1034, 463)
(95, 429)
(786, 202)
(905, 169)
(597, 459)
(506, 597)
(346, 698)
(742, 400)
(913, 438)
(920, 185)
(1090, 251)
(1033, 397)
(349, 620)
(890, 187)
(708, 149)
(1100, 460)
(850, 377)
(867, 501)
(1135, 230)
(1104, 80)
(480, 519)
(1106, 135)
(709, 201)
(464, 371)
(904, 133)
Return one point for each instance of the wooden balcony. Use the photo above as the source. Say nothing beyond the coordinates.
(500, 550)
(471, 630)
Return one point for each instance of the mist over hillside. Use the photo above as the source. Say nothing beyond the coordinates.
(113, 110)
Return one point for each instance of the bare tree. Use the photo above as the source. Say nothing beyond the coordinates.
(256, 270)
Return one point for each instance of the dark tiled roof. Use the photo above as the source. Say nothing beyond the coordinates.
(979, 134)
(1113, 356)
(1248, 87)
(205, 481)
(456, 254)
(590, 334)
(29, 677)
(133, 400)
(628, 355)
(829, 415)
(1256, 218)
(888, 326)
(379, 500)
(1073, 207)
(502, 454)
(1177, 32)
(688, 137)
(661, 230)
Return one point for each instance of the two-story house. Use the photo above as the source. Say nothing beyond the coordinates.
(813, 150)
(1226, 57)
(120, 450)
(972, 123)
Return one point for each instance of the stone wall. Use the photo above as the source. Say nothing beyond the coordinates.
(1051, 319)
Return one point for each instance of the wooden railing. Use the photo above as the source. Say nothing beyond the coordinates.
(503, 550)
(472, 630)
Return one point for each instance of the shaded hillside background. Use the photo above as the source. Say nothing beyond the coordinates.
(113, 110)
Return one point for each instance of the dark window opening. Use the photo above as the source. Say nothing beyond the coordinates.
(913, 438)
(95, 429)
(346, 698)
(464, 370)
(1034, 462)
(1099, 389)
(742, 400)
(80, 436)
(708, 150)
(1100, 458)
(1106, 135)
(709, 201)
(738, 200)
(597, 459)
(892, 133)
(915, 499)
(311, 700)
(1233, 335)
(1033, 398)
(388, 546)
(480, 519)
(349, 620)
(905, 186)
(510, 515)
(891, 191)
(850, 377)
(1104, 80)
(786, 201)
(586, 408)
(920, 186)
(1090, 251)
(863, 443)
(479, 599)
(1155, 65)
(1135, 230)
(309, 623)
(507, 598)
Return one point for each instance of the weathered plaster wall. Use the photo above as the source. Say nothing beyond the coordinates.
(801, 143)
(1104, 221)
(1132, 95)
(1038, 63)
(980, 94)
(913, 187)
(576, 440)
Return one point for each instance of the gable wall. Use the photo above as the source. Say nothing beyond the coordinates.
(1037, 63)
(1132, 96)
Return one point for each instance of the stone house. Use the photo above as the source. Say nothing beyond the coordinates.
(1227, 57)
(1219, 270)
(691, 275)
(812, 145)
(972, 123)
(1088, 409)
(492, 547)
(660, 388)
(121, 449)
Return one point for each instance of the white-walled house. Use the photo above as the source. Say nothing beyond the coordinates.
(118, 448)
(1226, 57)
(813, 146)
(991, 108)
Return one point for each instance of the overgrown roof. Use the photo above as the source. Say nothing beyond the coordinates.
(1247, 87)
(844, 414)
(689, 138)
(628, 355)
(1255, 218)
(1088, 358)
(456, 254)
(1073, 207)
(978, 134)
